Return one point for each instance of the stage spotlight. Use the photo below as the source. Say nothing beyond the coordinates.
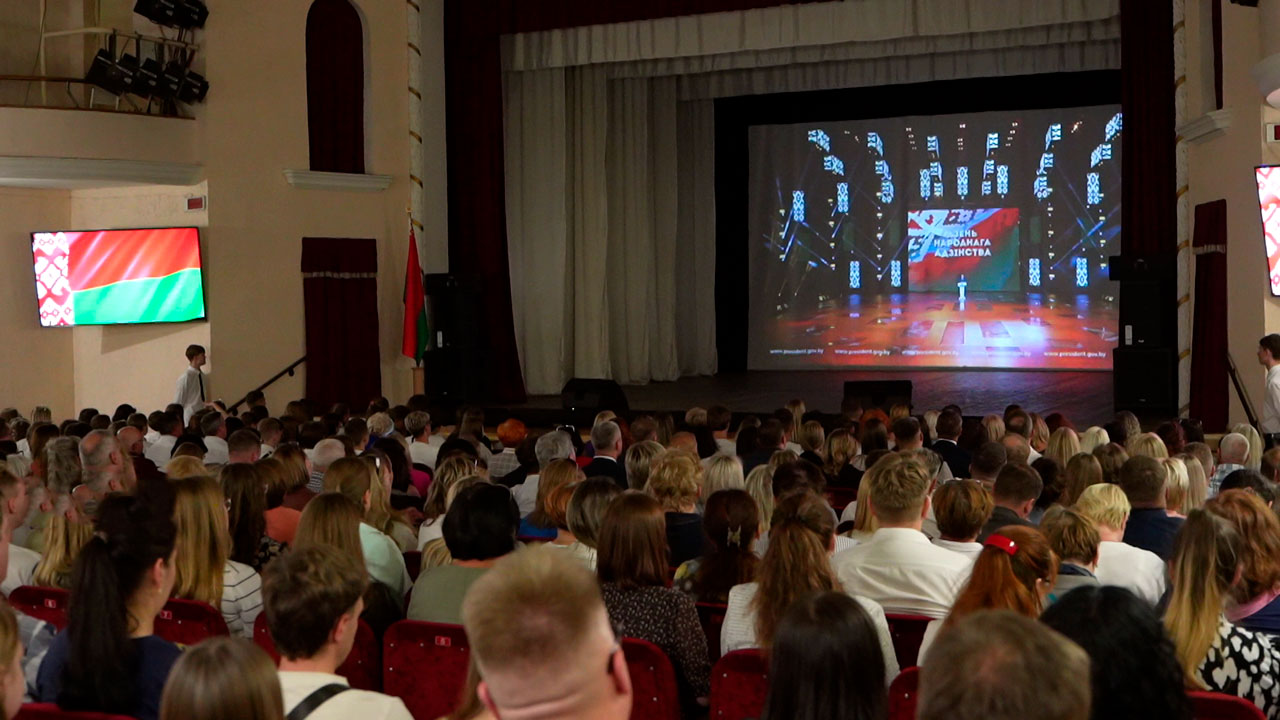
(193, 88)
(108, 74)
(173, 13)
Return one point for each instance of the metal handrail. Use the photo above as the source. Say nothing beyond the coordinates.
(287, 371)
(1241, 392)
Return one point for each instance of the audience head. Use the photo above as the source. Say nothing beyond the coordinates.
(1135, 670)
(1111, 457)
(313, 597)
(796, 562)
(223, 677)
(1017, 447)
(185, 466)
(987, 461)
(841, 448)
(873, 434)
(1171, 435)
(1015, 571)
(1092, 438)
(676, 481)
(718, 418)
(759, 484)
(906, 433)
(1192, 429)
(606, 438)
(553, 446)
(1250, 434)
(1233, 449)
(1072, 535)
(771, 435)
(13, 684)
(826, 662)
(103, 462)
(587, 507)
(1017, 488)
(639, 462)
(246, 492)
(949, 425)
(244, 446)
(62, 465)
(1197, 482)
(539, 633)
(481, 523)
(724, 472)
(1259, 532)
(992, 665)
(795, 475)
(1206, 565)
(1143, 479)
(1082, 471)
(553, 476)
(961, 508)
(994, 425)
(899, 491)
(1252, 481)
(1177, 488)
(1106, 505)
(633, 542)
(1146, 445)
(511, 432)
(200, 514)
(331, 519)
(731, 521)
(1063, 445)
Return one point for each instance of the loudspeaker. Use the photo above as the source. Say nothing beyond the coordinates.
(593, 394)
(882, 394)
(454, 363)
(1146, 380)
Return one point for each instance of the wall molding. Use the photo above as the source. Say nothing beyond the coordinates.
(1207, 126)
(42, 172)
(351, 182)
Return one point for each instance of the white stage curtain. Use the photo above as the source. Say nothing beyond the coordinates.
(610, 152)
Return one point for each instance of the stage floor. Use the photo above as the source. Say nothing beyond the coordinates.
(1085, 397)
(989, 330)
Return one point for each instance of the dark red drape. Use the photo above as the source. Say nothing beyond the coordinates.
(335, 87)
(340, 300)
(1209, 399)
(1149, 179)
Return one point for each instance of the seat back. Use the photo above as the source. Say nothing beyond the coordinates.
(425, 665)
(653, 681)
(413, 563)
(42, 603)
(711, 615)
(839, 498)
(902, 694)
(362, 668)
(188, 622)
(1218, 706)
(739, 684)
(907, 632)
(49, 711)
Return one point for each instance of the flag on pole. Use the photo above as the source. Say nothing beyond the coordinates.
(415, 310)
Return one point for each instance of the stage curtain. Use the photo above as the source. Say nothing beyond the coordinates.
(696, 238)
(335, 87)
(1209, 375)
(340, 302)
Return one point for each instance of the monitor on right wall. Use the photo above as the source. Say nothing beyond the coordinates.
(1268, 177)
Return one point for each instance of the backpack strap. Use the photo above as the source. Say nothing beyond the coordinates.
(313, 701)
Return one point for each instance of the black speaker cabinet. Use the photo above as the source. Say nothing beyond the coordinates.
(882, 394)
(593, 395)
(1146, 380)
(454, 364)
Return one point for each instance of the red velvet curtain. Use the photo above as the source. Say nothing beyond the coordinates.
(335, 87)
(1209, 378)
(340, 300)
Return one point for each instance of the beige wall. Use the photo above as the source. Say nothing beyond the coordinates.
(35, 362)
(31, 132)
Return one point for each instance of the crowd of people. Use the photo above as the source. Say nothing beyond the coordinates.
(1067, 573)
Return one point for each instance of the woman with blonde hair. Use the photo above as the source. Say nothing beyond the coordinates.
(898, 411)
(1082, 470)
(812, 439)
(723, 472)
(64, 536)
(332, 519)
(782, 457)
(436, 552)
(1039, 433)
(760, 486)
(639, 460)
(12, 682)
(1197, 482)
(184, 466)
(930, 418)
(434, 507)
(355, 479)
(1206, 570)
(381, 515)
(204, 572)
(1254, 460)
(1063, 445)
(797, 409)
(1147, 444)
(994, 425)
(1093, 437)
(842, 447)
(1176, 487)
(587, 507)
(797, 563)
(539, 524)
(676, 483)
(223, 678)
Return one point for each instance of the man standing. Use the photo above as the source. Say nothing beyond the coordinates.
(191, 392)
(1269, 357)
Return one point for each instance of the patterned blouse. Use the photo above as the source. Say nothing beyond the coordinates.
(667, 618)
(1245, 664)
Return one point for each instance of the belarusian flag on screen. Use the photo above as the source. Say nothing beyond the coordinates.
(118, 276)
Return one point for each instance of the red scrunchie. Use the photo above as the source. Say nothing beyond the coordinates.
(1002, 542)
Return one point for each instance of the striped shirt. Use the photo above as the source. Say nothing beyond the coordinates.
(241, 598)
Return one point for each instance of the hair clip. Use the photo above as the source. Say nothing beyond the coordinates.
(735, 536)
(101, 535)
(1003, 543)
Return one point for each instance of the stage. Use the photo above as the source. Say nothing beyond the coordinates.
(1084, 396)
(986, 330)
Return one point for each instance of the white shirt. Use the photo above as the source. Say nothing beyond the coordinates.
(188, 394)
(970, 550)
(739, 629)
(241, 598)
(900, 569)
(384, 560)
(1271, 402)
(726, 446)
(217, 451)
(22, 566)
(425, 453)
(503, 463)
(24, 448)
(526, 495)
(363, 704)
(265, 451)
(161, 450)
(1132, 568)
(430, 530)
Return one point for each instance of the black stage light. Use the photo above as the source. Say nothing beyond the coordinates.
(169, 81)
(109, 75)
(193, 88)
(140, 84)
(173, 13)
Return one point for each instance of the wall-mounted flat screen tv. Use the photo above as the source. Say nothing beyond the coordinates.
(118, 277)
(1268, 177)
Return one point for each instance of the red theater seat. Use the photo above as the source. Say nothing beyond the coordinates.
(712, 617)
(363, 667)
(49, 711)
(739, 684)
(426, 666)
(413, 563)
(839, 498)
(1217, 706)
(187, 622)
(907, 632)
(902, 694)
(653, 681)
(42, 603)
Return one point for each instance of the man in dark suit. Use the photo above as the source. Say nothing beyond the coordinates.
(770, 439)
(1017, 488)
(606, 438)
(950, 423)
(1150, 527)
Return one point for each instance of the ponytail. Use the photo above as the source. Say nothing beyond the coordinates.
(1005, 574)
(1206, 554)
(796, 561)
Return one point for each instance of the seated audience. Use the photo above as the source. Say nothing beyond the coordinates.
(223, 678)
(1139, 571)
(770, 438)
(1082, 470)
(841, 449)
(354, 479)
(65, 533)
(282, 521)
(994, 425)
(434, 507)
(961, 508)
(1015, 571)
(313, 602)
(246, 492)
(558, 512)
(722, 472)
(381, 514)
(1063, 445)
(1111, 457)
(12, 682)
(639, 461)
(1143, 480)
(555, 445)
(1216, 655)
(539, 525)
(797, 563)
(950, 424)
(539, 633)
(213, 428)
(244, 446)
(1146, 445)
(1134, 668)
(1177, 488)
(676, 483)
(1018, 449)
(511, 432)
(479, 528)
(1014, 496)
(993, 665)
(1233, 454)
(1252, 481)
(632, 567)
(1051, 487)
(1197, 482)
(587, 507)
(731, 522)
(606, 438)
(1251, 436)
(826, 663)
(324, 454)
(423, 445)
(1074, 539)
(1092, 438)
(204, 572)
(297, 473)
(812, 440)
(22, 562)
(108, 659)
(1255, 598)
(987, 462)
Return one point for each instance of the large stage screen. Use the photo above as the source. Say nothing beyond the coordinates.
(976, 240)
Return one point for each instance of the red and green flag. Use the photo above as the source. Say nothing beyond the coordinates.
(415, 308)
